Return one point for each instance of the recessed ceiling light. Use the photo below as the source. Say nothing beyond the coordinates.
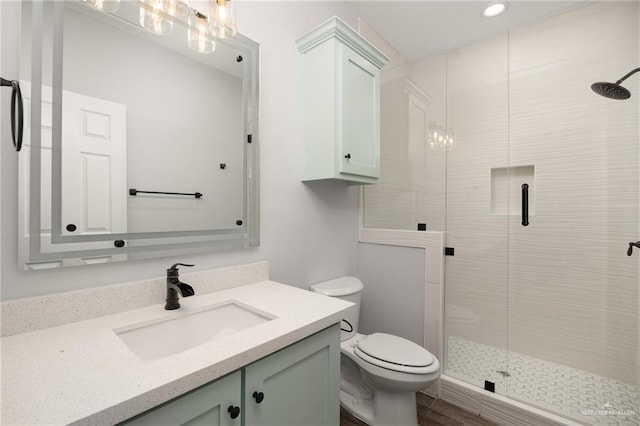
(494, 9)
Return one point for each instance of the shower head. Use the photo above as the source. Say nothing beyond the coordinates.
(610, 90)
(613, 90)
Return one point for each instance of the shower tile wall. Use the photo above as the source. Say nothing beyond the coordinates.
(411, 189)
(574, 292)
(562, 289)
(477, 111)
(565, 295)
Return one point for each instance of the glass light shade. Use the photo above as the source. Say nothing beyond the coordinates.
(104, 5)
(198, 36)
(440, 138)
(450, 140)
(222, 19)
(156, 16)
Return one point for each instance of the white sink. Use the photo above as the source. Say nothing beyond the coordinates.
(168, 337)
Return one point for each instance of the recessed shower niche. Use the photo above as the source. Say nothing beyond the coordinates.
(507, 190)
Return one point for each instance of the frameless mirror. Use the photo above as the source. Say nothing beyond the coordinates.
(135, 144)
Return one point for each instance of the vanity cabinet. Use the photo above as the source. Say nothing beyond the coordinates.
(340, 86)
(211, 405)
(297, 385)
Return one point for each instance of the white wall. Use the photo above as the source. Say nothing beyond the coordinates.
(393, 300)
(309, 231)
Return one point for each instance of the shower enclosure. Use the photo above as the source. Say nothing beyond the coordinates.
(535, 180)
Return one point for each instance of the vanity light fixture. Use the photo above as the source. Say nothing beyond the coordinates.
(222, 19)
(156, 16)
(198, 36)
(440, 138)
(494, 9)
(104, 5)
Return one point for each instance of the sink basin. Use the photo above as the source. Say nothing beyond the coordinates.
(168, 337)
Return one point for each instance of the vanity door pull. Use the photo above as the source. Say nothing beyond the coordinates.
(348, 156)
(525, 204)
(233, 411)
(258, 396)
(16, 102)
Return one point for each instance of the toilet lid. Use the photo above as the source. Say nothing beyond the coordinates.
(393, 352)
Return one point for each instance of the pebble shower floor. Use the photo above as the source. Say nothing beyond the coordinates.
(578, 395)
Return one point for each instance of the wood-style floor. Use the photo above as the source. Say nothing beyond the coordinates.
(431, 411)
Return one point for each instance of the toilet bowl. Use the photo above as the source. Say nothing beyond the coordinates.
(380, 373)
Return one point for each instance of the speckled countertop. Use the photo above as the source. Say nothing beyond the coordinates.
(82, 373)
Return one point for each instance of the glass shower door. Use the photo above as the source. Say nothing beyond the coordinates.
(477, 204)
(573, 291)
(543, 198)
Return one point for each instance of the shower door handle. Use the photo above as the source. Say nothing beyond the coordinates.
(525, 204)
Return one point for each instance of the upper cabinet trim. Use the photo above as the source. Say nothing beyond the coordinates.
(335, 27)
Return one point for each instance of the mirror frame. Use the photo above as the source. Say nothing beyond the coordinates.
(72, 250)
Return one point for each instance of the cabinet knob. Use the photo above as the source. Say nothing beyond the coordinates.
(258, 396)
(348, 156)
(234, 412)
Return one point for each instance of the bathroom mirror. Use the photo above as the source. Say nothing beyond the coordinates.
(136, 145)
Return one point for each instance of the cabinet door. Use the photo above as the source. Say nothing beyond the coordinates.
(297, 386)
(359, 102)
(207, 405)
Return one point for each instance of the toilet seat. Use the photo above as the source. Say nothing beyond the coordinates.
(394, 353)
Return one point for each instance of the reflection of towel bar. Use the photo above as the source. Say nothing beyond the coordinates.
(133, 191)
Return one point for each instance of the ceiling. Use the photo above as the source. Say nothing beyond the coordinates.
(417, 29)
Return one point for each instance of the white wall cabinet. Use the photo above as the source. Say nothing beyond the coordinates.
(297, 385)
(340, 78)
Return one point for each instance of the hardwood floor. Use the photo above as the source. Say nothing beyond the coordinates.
(431, 411)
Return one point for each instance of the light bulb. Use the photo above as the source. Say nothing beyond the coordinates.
(198, 36)
(156, 16)
(104, 5)
(223, 19)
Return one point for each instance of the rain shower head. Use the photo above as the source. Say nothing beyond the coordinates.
(613, 90)
(610, 90)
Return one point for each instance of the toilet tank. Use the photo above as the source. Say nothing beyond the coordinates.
(349, 289)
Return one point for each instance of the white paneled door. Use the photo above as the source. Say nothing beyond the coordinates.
(94, 193)
(93, 172)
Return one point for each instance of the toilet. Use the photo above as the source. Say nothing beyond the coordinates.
(380, 373)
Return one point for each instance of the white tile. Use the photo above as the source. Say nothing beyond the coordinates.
(578, 395)
(433, 319)
(433, 264)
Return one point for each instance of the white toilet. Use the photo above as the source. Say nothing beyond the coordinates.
(380, 373)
